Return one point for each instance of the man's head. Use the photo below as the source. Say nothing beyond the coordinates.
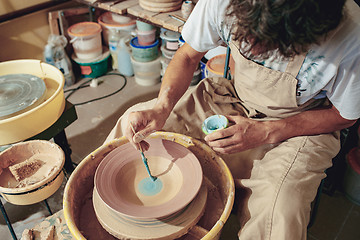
(287, 25)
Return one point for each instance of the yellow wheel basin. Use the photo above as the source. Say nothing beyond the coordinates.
(37, 119)
(78, 206)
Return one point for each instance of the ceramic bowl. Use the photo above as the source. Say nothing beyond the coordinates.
(123, 183)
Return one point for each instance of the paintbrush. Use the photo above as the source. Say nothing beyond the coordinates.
(143, 157)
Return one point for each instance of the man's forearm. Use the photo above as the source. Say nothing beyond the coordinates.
(177, 77)
(311, 122)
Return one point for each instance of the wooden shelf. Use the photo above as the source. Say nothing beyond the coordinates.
(131, 7)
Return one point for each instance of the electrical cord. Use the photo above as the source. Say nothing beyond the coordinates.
(85, 84)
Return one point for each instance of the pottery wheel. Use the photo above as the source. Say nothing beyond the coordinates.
(166, 228)
(19, 92)
(123, 183)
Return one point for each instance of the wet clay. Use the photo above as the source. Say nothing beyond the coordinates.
(27, 173)
(29, 163)
(25, 169)
(220, 190)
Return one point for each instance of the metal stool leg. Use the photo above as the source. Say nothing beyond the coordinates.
(7, 221)
(61, 140)
(47, 206)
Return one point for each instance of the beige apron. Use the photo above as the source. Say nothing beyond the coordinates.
(275, 183)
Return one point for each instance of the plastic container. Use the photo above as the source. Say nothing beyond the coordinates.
(124, 58)
(215, 52)
(196, 77)
(202, 65)
(213, 123)
(144, 53)
(216, 65)
(93, 69)
(114, 38)
(169, 54)
(54, 54)
(120, 23)
(352, 176)
(181, 41)
(120, 18)
(86, 40)
(164, 63)
(170, 39)
(146, 38)
(143, 26)
(147, 73)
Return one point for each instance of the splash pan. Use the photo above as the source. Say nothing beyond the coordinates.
(19, 92)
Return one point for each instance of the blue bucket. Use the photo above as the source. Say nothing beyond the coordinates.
(144, 53)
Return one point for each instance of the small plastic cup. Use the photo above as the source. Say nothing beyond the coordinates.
(214, 123)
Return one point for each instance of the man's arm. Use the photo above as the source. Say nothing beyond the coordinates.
(248, 133)
(175, 82)
(311, 122)
(178, 76)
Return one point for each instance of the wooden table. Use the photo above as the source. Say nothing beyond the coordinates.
(169, 20)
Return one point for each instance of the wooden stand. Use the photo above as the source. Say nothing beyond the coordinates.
(169, 20)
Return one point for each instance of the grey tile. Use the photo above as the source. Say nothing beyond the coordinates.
(351, 229)
(311, 237)
(330, 217)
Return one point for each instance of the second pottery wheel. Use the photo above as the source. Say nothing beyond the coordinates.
(19, 92)
(123, 184)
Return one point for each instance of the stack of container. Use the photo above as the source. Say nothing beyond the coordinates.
(171, 42)
(169, 46)
(88, 50)
(117, 32)
(145, 55)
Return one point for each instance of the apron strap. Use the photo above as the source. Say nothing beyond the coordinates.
(295, 64)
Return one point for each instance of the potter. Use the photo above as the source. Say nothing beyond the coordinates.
(286, 101)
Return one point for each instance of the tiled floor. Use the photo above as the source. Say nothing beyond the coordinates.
(337, 218)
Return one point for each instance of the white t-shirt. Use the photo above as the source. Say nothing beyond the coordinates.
(330, 70)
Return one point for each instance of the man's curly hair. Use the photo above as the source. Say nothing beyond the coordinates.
(290, 26)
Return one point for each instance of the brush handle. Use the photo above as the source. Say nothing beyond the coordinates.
(143, 157)
(147, 166)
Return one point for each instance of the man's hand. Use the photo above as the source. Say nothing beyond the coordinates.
(243, 134)
(144, 123)
(248, 133)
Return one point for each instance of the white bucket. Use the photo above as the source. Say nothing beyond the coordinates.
(147, 73)
(110, 21)
(86, 40)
